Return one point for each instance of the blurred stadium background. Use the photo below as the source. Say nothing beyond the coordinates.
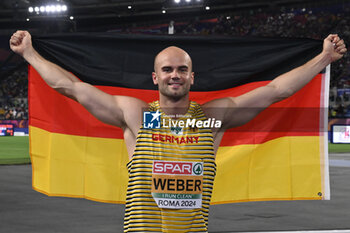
(27, 211)
(274, 18)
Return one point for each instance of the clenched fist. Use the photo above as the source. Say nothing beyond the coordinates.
(21, 42)
(334, 47)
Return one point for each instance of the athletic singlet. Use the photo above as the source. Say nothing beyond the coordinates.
(171, 176)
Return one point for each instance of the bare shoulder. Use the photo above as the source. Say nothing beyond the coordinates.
(132, 109)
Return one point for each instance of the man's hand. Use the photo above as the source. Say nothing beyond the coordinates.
(21, 42)
(334, 47)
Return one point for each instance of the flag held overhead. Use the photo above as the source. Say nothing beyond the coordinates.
(73, 154)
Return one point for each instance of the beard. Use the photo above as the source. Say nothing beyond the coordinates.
(172, 94)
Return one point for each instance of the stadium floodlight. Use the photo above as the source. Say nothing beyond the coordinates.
(27, 19)
(129, 7)
(54, 8)
(177, 1)
(58, 8)
(207, 8)
(163, 11)
(71, 17)
(188, 0)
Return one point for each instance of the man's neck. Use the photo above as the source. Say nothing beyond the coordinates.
(174, 107)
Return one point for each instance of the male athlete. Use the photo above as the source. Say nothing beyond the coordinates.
(170, 177)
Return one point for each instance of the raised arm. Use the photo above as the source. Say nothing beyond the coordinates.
(114, 110)
(240, 110)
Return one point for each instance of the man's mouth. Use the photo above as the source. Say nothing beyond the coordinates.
(175, 84)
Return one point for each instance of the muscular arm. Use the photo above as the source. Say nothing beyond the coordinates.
(107, 108)
(239, 110)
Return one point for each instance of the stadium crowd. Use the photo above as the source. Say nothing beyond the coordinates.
(13, 96)
(302, 23)
(314, 23)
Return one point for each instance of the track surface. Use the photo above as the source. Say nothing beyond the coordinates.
(27, 211)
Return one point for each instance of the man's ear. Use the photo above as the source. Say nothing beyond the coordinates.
(192, 78)
(154, 78)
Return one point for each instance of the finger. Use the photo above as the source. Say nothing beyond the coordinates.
(16, 36)
(15, 43)
(19, 32)
(14, 40)
(339, 43)
(330, 37)
(336, 39)
(343, 51)
(339, 50)
(23, 33)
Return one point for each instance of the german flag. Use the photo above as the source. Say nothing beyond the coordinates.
(280, 155)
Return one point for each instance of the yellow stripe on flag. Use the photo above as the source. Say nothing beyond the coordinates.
(77, 166)
(286, 168)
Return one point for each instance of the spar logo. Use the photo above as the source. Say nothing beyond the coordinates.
(178, 168)
(198, 168)
(163, 167)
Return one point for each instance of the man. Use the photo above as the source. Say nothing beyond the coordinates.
(171, 174)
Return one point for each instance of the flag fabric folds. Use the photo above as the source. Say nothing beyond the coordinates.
(280, 155)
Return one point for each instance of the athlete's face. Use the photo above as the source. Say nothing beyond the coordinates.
(173, 73)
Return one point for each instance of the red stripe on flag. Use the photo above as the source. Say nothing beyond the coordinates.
(55, 113)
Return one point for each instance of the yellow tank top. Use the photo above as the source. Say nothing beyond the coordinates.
(171, 176)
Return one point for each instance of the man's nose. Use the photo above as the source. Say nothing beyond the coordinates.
(175, 74)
